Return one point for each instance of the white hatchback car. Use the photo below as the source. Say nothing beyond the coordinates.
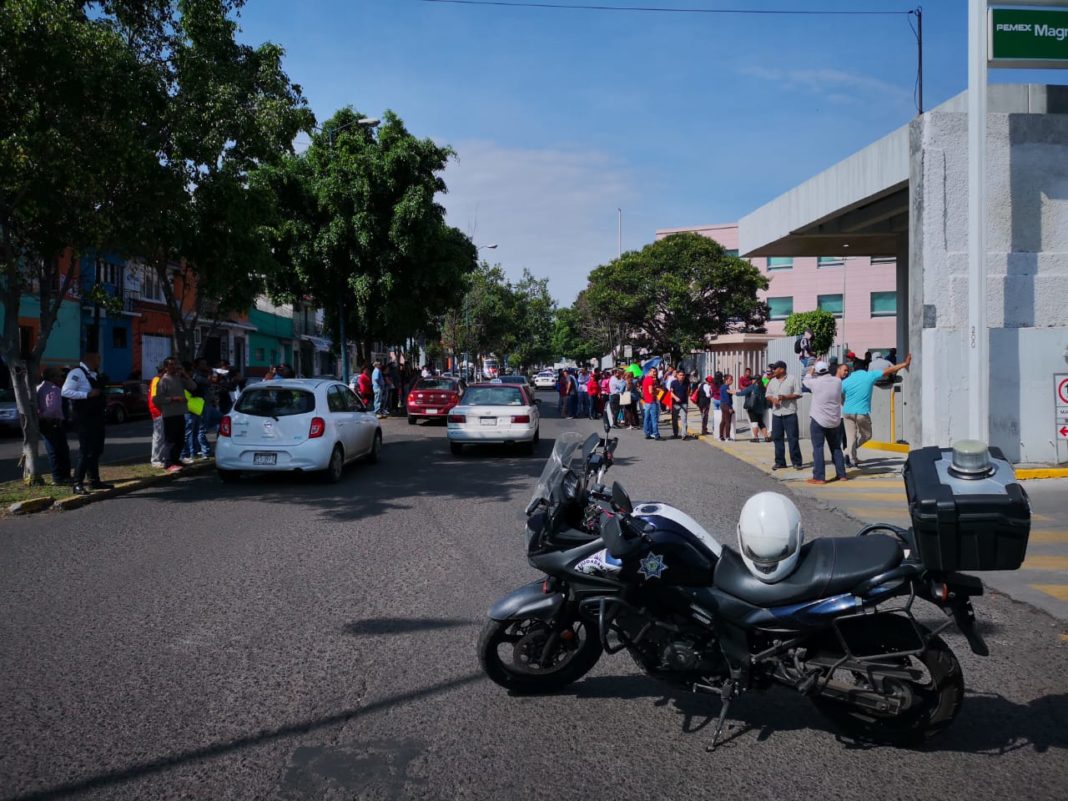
(494, 413)
(546, 379)
(303, 425)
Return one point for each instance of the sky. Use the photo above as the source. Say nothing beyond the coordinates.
(560, 118)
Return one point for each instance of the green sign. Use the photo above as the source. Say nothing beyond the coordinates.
(1029, 37)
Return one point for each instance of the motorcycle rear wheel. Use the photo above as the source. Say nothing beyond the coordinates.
(935, 700)
(518, 668)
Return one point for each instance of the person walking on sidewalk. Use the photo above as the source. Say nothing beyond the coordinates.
(616, 387)
(680, 411)
(704, 402)
(825, 419)
(378, 385)
(726, 409)
(782, 393)
(51, 423)
(159, 443)
(650, 388)
(171, 401)
(856, 411)
(83, 388)
(756, 406)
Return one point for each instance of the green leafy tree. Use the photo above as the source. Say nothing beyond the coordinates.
(569, 337)
(822, 324)
(358, 223)
(675, 293)
(482, 323)
(533, 310)
(74, 149)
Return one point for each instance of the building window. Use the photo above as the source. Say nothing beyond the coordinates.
(883, 304)
(780, 308)
(884, 259)
(780, 263)
(829, 261)
(118, 337)
(732, 252)
(830, 303)
(257, 354)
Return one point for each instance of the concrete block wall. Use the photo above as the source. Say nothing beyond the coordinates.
(1027, 279)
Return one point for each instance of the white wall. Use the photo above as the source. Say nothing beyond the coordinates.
(1027, 278)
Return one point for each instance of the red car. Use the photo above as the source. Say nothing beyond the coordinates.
(432, 398)
(126, 401)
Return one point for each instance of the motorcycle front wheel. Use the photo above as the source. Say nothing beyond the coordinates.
(933, 697)
(528, 656)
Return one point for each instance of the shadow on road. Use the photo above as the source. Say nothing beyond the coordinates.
(409, 469)
(142, 769)
(402, 625)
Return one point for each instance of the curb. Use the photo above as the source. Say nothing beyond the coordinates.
(122, 487)
(30, 505)
(1029, 473)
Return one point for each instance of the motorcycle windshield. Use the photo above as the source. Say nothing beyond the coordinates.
(555, 467)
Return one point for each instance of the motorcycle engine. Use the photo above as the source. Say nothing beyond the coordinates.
(688, 654)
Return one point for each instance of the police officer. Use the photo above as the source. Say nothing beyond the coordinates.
(84, 389)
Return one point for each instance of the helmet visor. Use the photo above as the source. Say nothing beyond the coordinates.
(767, 562)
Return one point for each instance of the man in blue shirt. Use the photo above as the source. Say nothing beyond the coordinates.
(856, 410)
(378, 384)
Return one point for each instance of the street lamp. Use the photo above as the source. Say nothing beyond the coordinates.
(487, 247)
(365, 122)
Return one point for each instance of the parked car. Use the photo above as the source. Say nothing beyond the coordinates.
(296, 424)
(9, 413)
(494, 413)
(432, 398)
(546, 379)
(126, 401)
(518, 380)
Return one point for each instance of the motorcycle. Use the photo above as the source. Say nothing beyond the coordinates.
(648, 579)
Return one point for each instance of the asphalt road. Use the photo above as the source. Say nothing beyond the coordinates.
(281, 639)
(129, 442)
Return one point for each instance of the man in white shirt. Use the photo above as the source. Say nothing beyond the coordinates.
(84, 389)
(826, 418)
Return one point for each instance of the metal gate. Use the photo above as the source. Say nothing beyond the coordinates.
(154, 349)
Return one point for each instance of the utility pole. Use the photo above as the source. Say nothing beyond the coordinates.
(619, 234)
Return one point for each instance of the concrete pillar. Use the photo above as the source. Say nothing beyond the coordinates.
(902, 286)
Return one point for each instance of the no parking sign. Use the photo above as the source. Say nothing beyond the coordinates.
(1060, 393)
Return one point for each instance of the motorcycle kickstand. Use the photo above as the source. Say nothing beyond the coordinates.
(726, 696)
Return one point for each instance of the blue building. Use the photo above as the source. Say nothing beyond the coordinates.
(110, 332)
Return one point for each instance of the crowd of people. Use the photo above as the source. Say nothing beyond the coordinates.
(839, 417)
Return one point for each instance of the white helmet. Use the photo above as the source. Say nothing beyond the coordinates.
(770, 536)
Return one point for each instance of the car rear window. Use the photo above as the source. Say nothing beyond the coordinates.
(436, 384)
(275, 402)
(493, 396)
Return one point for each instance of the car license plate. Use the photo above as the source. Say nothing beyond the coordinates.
(489, 421)
(265, 458)
(431, 411)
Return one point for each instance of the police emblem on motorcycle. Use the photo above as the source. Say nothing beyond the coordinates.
(652, 566)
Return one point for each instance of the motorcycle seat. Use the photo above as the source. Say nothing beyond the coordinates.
(827, 566)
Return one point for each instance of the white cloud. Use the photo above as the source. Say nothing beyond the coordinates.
(838, 86)
(551, 211)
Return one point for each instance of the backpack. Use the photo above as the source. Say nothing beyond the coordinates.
(797, 345)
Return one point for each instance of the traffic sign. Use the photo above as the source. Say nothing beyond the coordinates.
(1060, 404)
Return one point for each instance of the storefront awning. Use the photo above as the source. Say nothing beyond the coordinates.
(320, 344)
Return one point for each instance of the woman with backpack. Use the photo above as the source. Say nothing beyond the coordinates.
(702, 396)
(756, 405)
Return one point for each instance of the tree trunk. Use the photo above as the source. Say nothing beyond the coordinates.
(26, 402)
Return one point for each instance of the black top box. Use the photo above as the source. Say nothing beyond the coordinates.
(966, 521)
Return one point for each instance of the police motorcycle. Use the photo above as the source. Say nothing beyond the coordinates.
(831, 618)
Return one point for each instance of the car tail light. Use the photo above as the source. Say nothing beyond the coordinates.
(318, 428)
(224, 426)
(456, 418)
(521, 418)
(411, 398)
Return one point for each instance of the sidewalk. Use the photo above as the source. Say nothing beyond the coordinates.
(876, 494)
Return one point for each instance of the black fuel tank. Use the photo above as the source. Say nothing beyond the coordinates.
(680, 552)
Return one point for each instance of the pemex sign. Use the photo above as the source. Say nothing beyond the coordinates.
(1030, 37)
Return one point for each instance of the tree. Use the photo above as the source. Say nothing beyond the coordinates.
(569, 340)
(822, 324)
(230, 111)
(358, 223)
(74, 97)
(483, 321)
(675, 293)
(533, 310)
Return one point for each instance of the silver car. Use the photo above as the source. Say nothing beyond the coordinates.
(495, 413)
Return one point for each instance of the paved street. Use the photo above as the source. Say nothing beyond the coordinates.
(282, 639)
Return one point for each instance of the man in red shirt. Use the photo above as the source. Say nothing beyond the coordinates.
(650, 386)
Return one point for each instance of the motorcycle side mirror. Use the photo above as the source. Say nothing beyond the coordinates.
(607, 420)
(620, 499)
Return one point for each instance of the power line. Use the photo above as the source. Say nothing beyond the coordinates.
(669, 10)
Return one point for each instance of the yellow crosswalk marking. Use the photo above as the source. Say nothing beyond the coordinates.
(1045, 562)
(1048, 535)
(842, 493)
(887, 513)
(1058, 591)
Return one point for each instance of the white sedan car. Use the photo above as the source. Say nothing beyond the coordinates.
(546, 379)
(303, 425)
(494, 413)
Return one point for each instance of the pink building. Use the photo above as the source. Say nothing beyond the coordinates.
(859, 291)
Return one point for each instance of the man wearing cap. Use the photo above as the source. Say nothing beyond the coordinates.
(826, 417)
(782, 394)
(856, 410)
